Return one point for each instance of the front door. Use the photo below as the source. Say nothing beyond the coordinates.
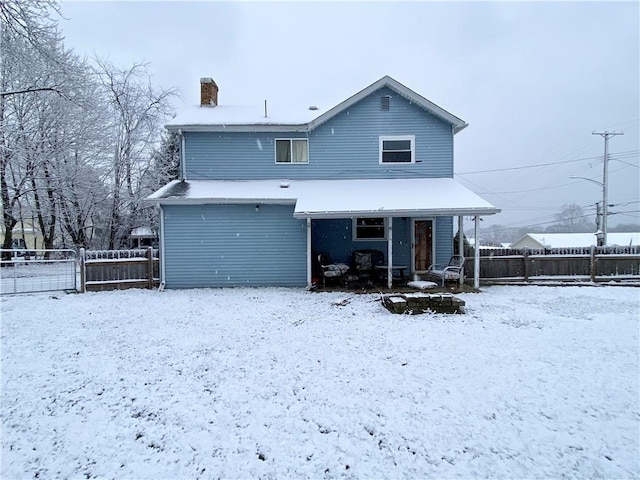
(422, 244)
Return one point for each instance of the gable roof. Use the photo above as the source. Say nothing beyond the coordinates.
(253, 118)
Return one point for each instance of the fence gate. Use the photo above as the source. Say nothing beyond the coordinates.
(26, 271)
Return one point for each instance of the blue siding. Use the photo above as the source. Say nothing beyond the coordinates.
(347, 146)
(444, 239)
(233, 245)
(335, 238)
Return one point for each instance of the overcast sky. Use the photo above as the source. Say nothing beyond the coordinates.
(533, 80)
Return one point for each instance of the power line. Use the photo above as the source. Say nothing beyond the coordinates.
(626, 163)
(527, 166)
(625, 154)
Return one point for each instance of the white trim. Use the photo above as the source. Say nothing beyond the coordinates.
(183, 156)
(476, 254)
(290, 140)
(309, 259)
(163, 277)
(227, 201)
(383, 138)
(240, 128)
(354, 228)
(448, 212)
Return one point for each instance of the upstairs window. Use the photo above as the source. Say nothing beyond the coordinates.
(397, 149)
(292, 150)
(369, 228)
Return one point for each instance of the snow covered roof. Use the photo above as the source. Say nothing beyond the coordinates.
(142, 232)
(570, 240)
(335, 198)
(303, 118)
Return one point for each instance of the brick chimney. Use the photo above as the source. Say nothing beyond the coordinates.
(208, 92)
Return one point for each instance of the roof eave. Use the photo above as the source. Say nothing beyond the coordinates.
(398, 213)
(249, 127)
(221, 201)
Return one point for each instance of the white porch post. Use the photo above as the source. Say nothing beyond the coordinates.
(309, 253)
(461, 247)
(390, 252)
(476, 254)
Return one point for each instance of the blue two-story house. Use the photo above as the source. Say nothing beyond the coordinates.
(262, 190)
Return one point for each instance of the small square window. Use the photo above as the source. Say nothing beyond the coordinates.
(397, 149)
(292, 150)
(369, 228)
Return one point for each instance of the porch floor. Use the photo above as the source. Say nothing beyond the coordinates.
(355, 287)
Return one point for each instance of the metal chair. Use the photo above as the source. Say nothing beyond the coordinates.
(449, 272)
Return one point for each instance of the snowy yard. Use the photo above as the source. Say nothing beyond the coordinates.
(533, 382)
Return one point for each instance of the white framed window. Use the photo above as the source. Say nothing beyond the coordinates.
(366, 228)
(292, 150)
(398, 149)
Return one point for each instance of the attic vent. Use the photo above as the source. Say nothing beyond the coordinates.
(385, 101)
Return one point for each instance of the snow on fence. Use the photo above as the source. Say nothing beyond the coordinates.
(595, 264)
(119, 269)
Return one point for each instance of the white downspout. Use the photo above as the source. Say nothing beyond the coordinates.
(309, 259)
(183, 157)
(461, 247)
(163, 277)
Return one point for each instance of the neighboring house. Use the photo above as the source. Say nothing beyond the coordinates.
(472, 243)
(25, 236)
(264, 190)
(571, 240)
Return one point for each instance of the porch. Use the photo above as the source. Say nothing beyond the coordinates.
(402, 249)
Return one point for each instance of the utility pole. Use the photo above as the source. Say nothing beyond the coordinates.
(605, 174)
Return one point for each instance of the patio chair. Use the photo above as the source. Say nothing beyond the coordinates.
(365, 261)
(449, 272)
(334, 271)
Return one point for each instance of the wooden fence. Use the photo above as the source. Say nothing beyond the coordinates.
(119, 269)
(594, 264)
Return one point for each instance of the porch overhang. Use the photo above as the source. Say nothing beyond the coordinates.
(400, 197)
(325, 199)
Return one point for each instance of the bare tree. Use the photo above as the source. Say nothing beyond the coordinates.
(26, 31)
(137, 109)
(572, 219)
(31, 22)
(78, 142)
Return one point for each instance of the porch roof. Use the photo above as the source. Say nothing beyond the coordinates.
(400, 197)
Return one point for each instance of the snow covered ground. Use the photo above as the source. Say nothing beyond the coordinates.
(533, 382)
